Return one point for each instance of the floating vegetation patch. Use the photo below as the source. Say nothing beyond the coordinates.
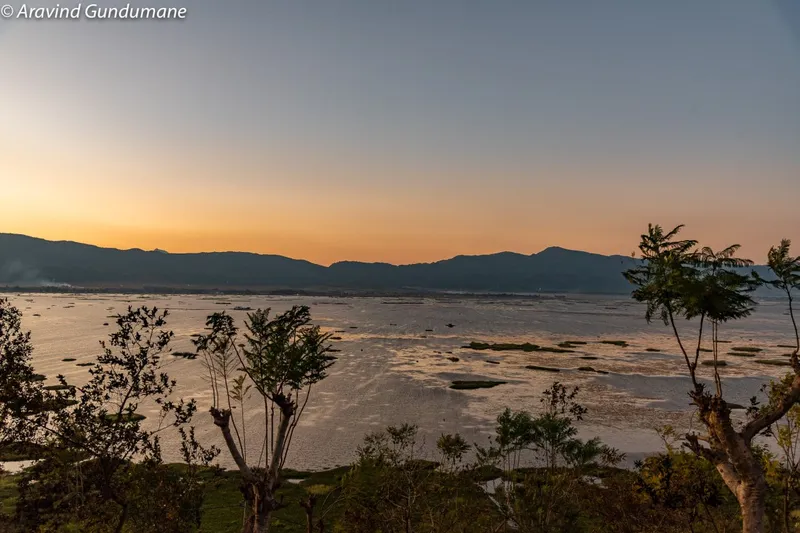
(706, 350)
(742, 354)
(185, 355)
(652, 350)
(790, 346)
(68, 359)
(773, 362)
(126, 417)
(713, 363)
(336, 338)
(469, 385)
(20, 451)
(543, 368)
(454, 359)
(589, 357)
(55, 404)
(85, 364)
(621, 344)
(591, 369)
(58, 387)
(524, 347)
(38, 377)
(493, 362)
(746, 349)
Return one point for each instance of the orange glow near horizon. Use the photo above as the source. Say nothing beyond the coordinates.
(311, 132)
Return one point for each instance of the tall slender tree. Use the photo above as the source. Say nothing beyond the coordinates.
(676, 280)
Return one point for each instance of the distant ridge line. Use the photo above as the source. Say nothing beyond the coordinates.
(58, 265)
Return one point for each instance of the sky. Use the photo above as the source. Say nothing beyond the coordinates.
(411, 131)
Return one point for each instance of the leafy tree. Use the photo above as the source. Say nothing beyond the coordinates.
(93, 433)
(280, 358)
(677, 280)
(21, 394)
(392, 490)
(682, 485)
(542, 499)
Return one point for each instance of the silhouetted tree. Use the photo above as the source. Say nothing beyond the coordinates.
(281, 358)
(92, 434)
(676, 280)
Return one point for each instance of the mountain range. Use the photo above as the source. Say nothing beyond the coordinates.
(29, 262)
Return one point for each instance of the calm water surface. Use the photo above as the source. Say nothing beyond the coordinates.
(392, 370)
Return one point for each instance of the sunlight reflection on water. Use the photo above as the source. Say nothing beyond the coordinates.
(392, 369)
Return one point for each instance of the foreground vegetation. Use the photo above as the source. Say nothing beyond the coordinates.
(99, 462)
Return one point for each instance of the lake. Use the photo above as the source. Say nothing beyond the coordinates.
(394, 368)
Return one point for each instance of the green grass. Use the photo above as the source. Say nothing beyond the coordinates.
(773, 362)
(8, 494)
(470, 385)
(543, 368)
(222, 505)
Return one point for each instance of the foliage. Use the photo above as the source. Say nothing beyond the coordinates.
(676, 280)
(280, 359)
(98, 455)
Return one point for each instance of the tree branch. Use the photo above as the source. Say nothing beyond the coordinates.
(222, 419)
(772, 415)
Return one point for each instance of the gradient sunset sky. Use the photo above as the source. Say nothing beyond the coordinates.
(405, 131)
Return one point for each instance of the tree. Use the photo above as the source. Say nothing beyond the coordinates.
(20, 388)
(280, 358)
(542, 499)
(392, 489)
(92, 434)
(677, 280)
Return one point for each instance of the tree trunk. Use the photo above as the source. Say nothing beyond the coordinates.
(751, 501)
(261, 504)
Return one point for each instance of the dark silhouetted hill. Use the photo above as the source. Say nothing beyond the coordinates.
(27, 261)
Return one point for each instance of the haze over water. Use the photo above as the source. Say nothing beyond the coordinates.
(392, 370)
